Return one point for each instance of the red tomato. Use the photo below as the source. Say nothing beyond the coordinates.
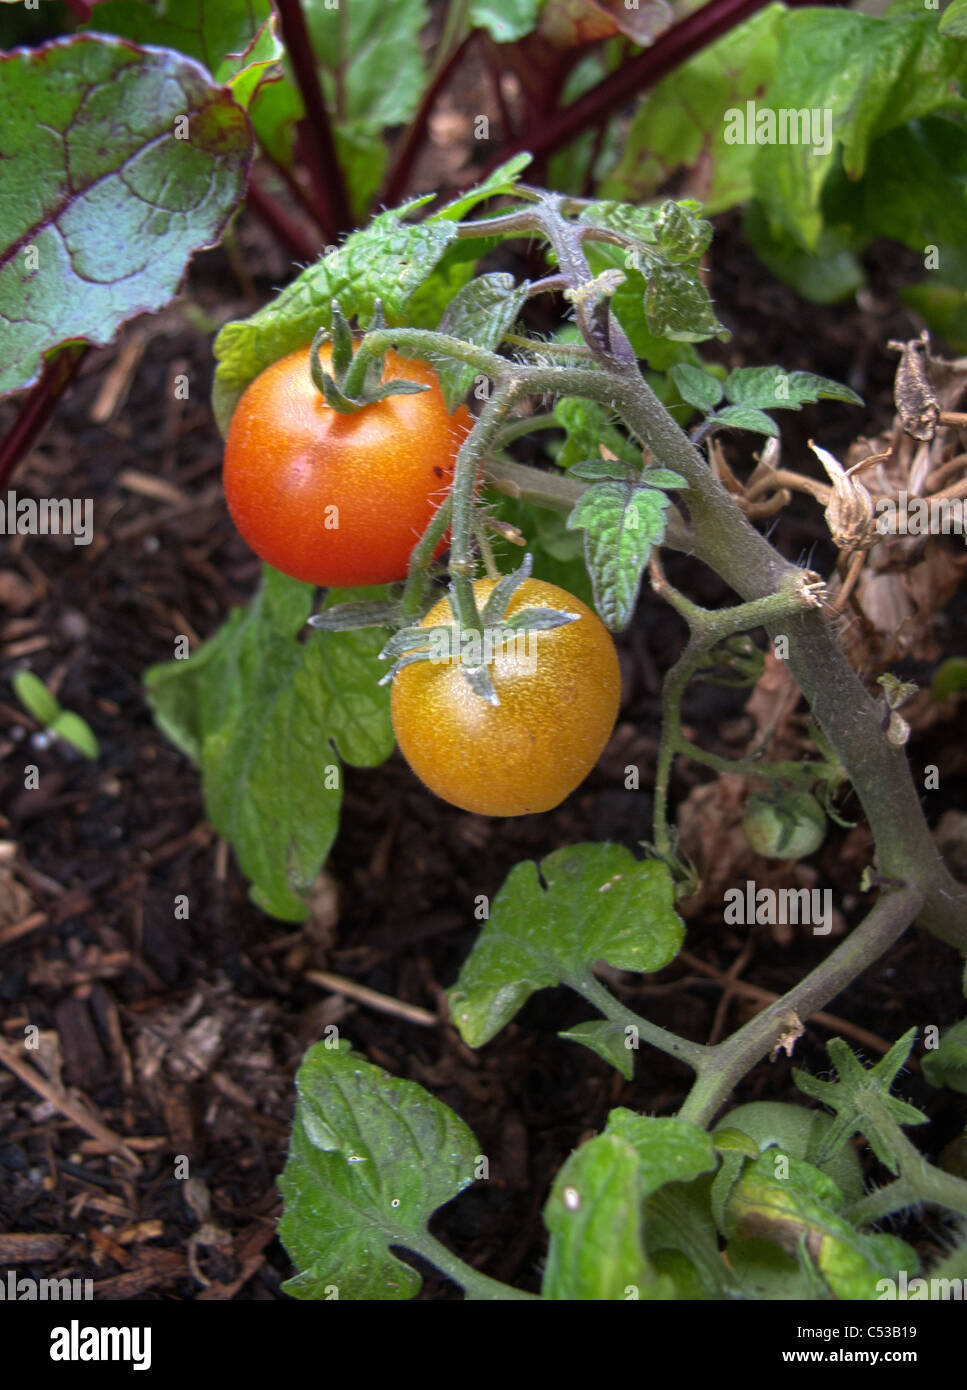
(338, 499)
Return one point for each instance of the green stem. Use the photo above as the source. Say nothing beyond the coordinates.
(725, 1064)
(421, 559)
(919, 1181)
(707, 630)
(594, 992)
(476, 1285)
(725, 540)
(530, 424)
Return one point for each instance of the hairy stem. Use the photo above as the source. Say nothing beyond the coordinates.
(725, 1064)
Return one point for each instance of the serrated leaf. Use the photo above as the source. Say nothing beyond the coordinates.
(77, 732)
(103, 204)
(609, 1040)
(371, 1158)
(744, 417)
(796, 1207)
(260, 712)
(773, 388)
(594, 1217)
(677, 306)
(481, 313)
(35, 697)
(502, 180)
(388, 261)
(663, 478)
(621, 524)
(599, 903)
(668, 1150)
(696, 387)
(947, 1064)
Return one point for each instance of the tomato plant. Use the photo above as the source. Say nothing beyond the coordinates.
(338, 499)
(558, 693)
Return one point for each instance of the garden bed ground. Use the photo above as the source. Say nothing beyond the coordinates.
(182, 1036)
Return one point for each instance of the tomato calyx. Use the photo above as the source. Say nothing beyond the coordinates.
(476, 649)
(346, 388)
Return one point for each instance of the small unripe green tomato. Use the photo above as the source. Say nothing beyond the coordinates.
(784, 827)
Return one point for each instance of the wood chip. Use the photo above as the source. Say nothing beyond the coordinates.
(150, 485)
(17, 1248)
(65, 1104)
(382, 1002)
(159, 1267)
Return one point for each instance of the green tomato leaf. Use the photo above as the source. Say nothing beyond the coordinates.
(387, 260)
(947, 1064)
(677, 306)
(502, 180)
(77, 732)
(118, 164)
(679, 127)
(682, 1241)
(698, 388)
(35, 697)
(669, 1151)
(621, 521)
(773, 388)
(371, 1158)
(599, 903)
(259, 712)
(481, 313)
(793, 1130)
(609, 1040)
(789, 1203)
(594, 1217)
(744, 417)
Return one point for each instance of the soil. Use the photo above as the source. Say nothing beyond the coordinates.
(181, 1036)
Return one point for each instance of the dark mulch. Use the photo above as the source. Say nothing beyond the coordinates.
(182, 1033)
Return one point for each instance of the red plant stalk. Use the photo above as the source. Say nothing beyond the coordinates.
(324, 168)
(37, 406)
(546, 135)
